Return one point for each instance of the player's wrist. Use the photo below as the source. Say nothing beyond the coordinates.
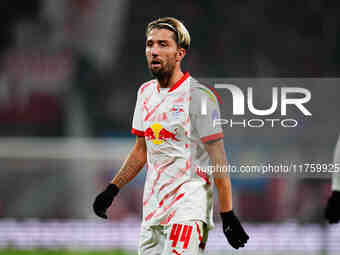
(228, 216)
(112, 189)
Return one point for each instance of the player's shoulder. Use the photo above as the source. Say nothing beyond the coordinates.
(147, 86)
(199, 89)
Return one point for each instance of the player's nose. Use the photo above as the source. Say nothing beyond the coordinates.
(154, 54)
(154, 51)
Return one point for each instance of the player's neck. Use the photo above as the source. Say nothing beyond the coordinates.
(168, 82)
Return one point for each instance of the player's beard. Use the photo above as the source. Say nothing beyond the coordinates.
(163, 73)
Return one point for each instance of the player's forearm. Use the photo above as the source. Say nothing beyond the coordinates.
(130, 168)
(336, 182)
(336, 176)
(221, 178)
(222, 181)
(223, 186)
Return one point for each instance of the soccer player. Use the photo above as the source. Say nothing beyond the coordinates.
(332, 212)
(173, 122)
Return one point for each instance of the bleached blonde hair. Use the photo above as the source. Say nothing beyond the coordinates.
(182, 36)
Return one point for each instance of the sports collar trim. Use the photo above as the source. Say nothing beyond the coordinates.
(178, 83)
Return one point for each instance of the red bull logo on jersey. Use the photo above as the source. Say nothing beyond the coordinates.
(158, 134)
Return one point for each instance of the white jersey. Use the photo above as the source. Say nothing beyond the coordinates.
(175, 130)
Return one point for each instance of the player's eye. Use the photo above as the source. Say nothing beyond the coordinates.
(149, 43)
(163, 44)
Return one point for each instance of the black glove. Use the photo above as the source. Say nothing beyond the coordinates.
(233, 230)
(332, 212)
(104, 200)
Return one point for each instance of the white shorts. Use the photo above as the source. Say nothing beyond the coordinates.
(187, 238)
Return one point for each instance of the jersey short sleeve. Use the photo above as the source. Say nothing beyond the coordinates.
(137, 122)
(205, 111)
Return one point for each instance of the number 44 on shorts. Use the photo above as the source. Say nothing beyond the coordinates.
(182, 233)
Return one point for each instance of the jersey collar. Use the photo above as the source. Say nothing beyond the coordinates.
(178, 83)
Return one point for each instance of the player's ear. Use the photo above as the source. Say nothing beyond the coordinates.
(180, 54)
